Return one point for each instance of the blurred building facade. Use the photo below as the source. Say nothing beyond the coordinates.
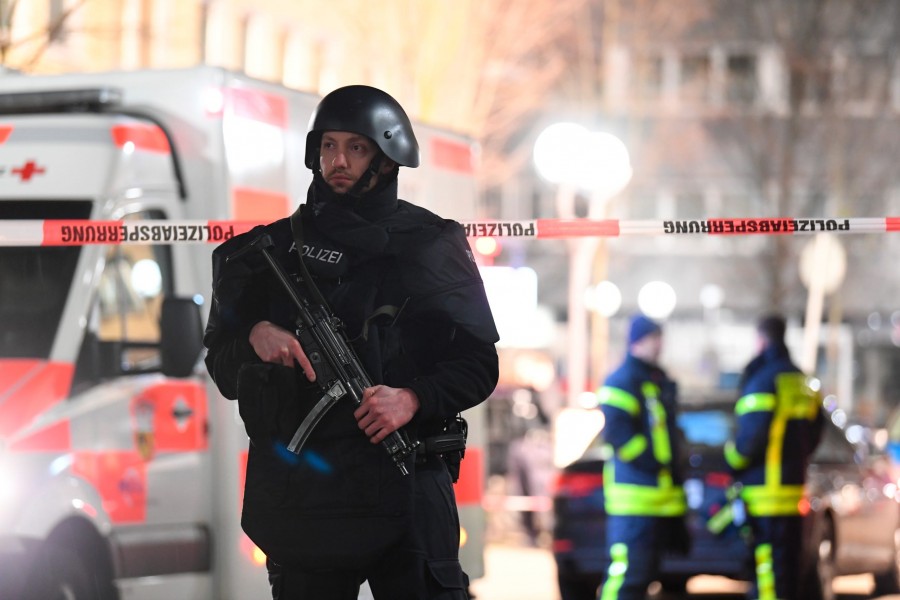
(734, 109)
(728, 108)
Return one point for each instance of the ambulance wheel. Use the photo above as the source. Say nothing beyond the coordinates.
(59, 575)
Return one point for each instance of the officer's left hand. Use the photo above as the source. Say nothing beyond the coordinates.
(384, 410)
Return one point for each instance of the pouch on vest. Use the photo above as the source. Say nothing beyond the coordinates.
(270, 403)
(339, 504)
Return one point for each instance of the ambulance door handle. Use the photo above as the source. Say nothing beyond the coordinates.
(182, 412)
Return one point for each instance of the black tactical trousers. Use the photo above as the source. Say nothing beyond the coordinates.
(423, 566)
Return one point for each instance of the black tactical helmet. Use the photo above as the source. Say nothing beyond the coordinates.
(367, 111)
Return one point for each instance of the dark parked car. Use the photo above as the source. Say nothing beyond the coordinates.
(852, 524)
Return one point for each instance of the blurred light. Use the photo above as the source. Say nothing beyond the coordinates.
(711, 296)
(258, 557)
(574, 430)
(214, 102)
(567, 153)
(606, 166)
(198, 299)
(881, 438)
(512, 294)
(824, 257)
(604, 298)
(463, 536)
(487, 246)
(253, 146)
(555, 150)
(535, 370)
(855, 434)
(85, 507)
(830, 402)
(146, 278)
(587, 400)
(657, 299)
(839, 418)
(814, 383)
(874, 321)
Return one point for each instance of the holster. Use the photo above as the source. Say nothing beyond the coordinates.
(450, 445)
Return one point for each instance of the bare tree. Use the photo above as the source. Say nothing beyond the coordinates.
(824, 150)
(39, 38)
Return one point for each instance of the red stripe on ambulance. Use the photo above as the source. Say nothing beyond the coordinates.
(53, 438)
(892, 224)
(174, 414)
(258, 106)
(28, 388)
(5, 130)
(144, 137)
(261, 206)
(451, 155)
(121, 480)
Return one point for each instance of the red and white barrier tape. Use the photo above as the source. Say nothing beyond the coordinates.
(83, 232)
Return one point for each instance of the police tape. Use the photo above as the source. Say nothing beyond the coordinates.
(85, 232)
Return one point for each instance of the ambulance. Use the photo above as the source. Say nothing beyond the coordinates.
(121, 466)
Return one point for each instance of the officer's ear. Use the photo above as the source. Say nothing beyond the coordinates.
(387, 165)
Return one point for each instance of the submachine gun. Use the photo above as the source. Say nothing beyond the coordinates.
(339, 371)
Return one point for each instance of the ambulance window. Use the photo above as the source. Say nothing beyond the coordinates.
(35, 281)
(134, 281)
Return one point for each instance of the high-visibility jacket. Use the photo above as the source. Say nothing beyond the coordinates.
(778, 425)
(641, 476)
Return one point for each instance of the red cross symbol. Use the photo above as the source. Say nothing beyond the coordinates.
(28, 170)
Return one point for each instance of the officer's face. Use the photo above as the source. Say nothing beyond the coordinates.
(344, 158)
(648, 348)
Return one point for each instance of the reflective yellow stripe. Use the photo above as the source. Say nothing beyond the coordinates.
(659, 433)
(796, 399)
(735, 459)
(663, 500)
(772, 500)
(620, 399)
(754, 403)
(618, 566)
(632, 448)
(765, 575)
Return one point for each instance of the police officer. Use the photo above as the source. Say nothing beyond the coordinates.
(404, 284)
(644, 500)
(779, 423)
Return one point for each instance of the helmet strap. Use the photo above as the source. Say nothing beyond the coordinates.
(372, 171)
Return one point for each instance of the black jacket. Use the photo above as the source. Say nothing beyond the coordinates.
(363, 255)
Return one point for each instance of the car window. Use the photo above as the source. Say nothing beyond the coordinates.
(706, 427)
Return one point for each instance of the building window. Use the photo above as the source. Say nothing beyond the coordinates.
(690, 206)
(865, 79)
(817, 82)
(740, 80)
(647, 79)
(695, 79)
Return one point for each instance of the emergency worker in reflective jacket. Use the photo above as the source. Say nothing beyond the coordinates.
(779, 423)
(404, 284)
(643, 496)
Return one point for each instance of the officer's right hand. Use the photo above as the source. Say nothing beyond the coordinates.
(277, 345)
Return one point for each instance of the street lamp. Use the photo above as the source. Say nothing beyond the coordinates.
(574, 158)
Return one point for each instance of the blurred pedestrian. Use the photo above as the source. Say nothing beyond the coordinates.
(777, 403)
(644, 500)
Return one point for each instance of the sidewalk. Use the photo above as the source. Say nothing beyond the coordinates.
(516, 573)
